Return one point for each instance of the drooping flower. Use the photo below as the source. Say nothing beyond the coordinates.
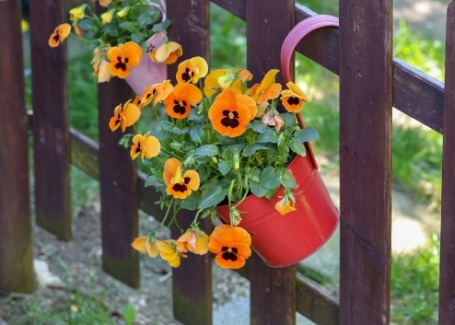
(293, 98)
(178, 185)
(272, 119)
(123, 12)
(124, 116)
(267, 89)
(285, 206)
(106, 17)
(78, 13)
(178, 103)
(230, 113)
(231, 246)
(156, 93)
(166, 53)
(100, 66)
(147, 146)
(145, 246)
(192, 70)
(122, 58)
(194, 241)
(168, 252)
(59, 34)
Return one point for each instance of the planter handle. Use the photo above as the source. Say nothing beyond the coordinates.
(297, 33)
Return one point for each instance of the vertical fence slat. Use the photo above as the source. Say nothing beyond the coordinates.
(365, 160)
(447, 265)
(16, 246)
(118, 189)
(273, 291)
(50, 120)
(192, 299)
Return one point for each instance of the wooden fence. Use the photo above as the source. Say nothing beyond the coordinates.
(371, 82)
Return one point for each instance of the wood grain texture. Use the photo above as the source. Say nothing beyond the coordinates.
(447, 264)
(192, 299)
(272, 290)
(365, 160)
(50, 127)
(16, 246)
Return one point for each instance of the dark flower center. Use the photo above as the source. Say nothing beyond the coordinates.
(187, 75)
(179, 107)
(230, 119)
(293, 100)
(229, 253)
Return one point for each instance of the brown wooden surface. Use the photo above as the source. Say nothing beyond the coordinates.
(192, 299)
(16, 247)
(50, 109)
(365, 160)
(272, 290)
(118, 187)
(447, 265)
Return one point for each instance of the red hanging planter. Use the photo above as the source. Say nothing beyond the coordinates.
(284, 240)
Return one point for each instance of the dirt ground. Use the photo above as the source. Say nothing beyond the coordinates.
(76, 265)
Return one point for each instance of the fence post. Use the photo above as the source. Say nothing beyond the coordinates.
(192, 298)
(50, 120)
(16, 249)
(365, 160)
(273, 291)
(447, 265)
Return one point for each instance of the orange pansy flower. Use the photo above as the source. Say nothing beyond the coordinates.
(230, 113)
(231, 246)
(293, 98)
(178, 185)
(147, 146)
(285, 206)
(194, 241)
(122, 58)
(192, 70)
(178, 103)
(59, 34)
(145, 246)
(267, 89)
(156, 92)
(166, 53)
(124, 116)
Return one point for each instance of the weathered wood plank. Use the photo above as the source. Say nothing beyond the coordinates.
(16, 246)
(272, 290)
(192, 299)
(118, 188)
(447, 264)
(50, 109)
(365, 160)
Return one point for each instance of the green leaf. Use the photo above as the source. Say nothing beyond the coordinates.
(298, 148)
(306, 134)
(128, 25)
(257, 126)
(252, 148)
(287, 180)
(270, 178)
(257, 189)
(268, 136)
(190, 203)
(152, 180)
(213, 198)
(129, 313)
(225, 166)
(208, 150)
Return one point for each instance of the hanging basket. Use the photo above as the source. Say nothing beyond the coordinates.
(284, 240)
(148, 73)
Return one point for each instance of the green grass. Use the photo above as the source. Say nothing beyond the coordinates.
(415, 283)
